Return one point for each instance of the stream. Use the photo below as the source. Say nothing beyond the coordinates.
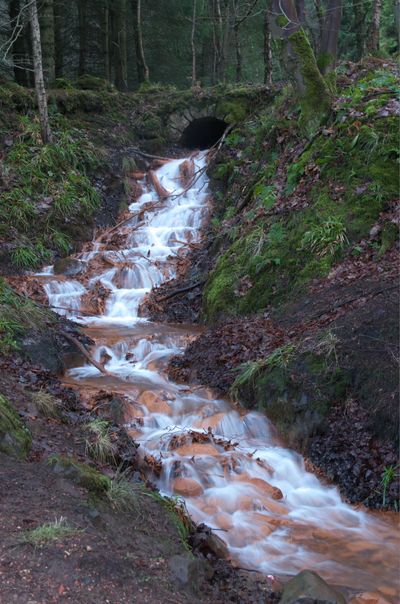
(226, 463)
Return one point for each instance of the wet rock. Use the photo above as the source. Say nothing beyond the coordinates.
(42, 349)
(204, 541)
(309, 588)
(189, 572)
(68, 267)
(154, 403)
(368, 598)
(187, 487)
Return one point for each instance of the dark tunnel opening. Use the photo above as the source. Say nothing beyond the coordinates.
(203, 133)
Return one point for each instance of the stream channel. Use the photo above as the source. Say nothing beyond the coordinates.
(226, 463)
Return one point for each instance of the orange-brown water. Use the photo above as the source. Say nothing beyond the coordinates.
(227, 464)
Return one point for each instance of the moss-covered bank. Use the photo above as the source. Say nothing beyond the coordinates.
(293, 208)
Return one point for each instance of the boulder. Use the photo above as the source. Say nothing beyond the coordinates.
(187, 487)
(309, 588)
(189, 572)
(68, 267)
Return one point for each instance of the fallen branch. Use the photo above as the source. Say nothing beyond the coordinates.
(181, 290)
(148, 156)
(85, 353)
(159, 189)
(156, 204)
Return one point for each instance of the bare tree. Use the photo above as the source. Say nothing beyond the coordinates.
(267, 50)
(38, 72)
(373, 40)
(142, 69)
(330, 35)
(238, 19)
(46, 20)
(193, 43)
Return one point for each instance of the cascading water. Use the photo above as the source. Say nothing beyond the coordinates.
(232, 472)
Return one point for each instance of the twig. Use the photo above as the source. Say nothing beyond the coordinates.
(181, 290)
(85, 353)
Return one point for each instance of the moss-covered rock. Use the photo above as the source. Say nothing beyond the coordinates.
(80, 473)
(296, 395)
(15, 439)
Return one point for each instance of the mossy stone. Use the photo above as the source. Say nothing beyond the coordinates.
(15, 438)
(80, 473)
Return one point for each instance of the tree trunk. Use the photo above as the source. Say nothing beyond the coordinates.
(330, 36)
(238, 51)
(267, 51)
(121, 65)
(300, 62)
(20, 48)
(396, 11)
(373, 40)
(46, 16)
(58, 36)
(142, 69)
(38, 70)
(82, 14)
(107, 42)
(193, 43)
(359, 27)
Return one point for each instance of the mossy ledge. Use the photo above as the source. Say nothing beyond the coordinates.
(15, 438)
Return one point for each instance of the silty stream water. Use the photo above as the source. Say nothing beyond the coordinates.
(234, 488)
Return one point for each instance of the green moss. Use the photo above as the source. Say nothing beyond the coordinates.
(15, 439)
(350, 174)
(316, 101)
(62, 83)
(233, 111)
(90, 82)
(51, 198)
(80, 473)
(389, 236)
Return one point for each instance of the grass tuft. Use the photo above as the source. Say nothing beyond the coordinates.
(99, 446)
(122, 494)
(46, 403)
(52, 531)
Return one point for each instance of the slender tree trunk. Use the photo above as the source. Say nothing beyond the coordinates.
(267, 51)
(396, 12)
(330, 36)
(46, 19)
(58, 37)
(142, 69)
(38, 70)
(219, 41)
(121, 66)
(373, 40)
(20, 48)
(359, 28)
(107, 42)
(238, 51)
(193, 43)
(215, 47)
(82, 16)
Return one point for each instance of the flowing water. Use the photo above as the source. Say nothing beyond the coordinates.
(228, 465)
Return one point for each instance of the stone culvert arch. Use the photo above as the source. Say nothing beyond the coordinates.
(194, 120)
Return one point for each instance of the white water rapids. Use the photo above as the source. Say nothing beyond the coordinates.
(230, 488)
